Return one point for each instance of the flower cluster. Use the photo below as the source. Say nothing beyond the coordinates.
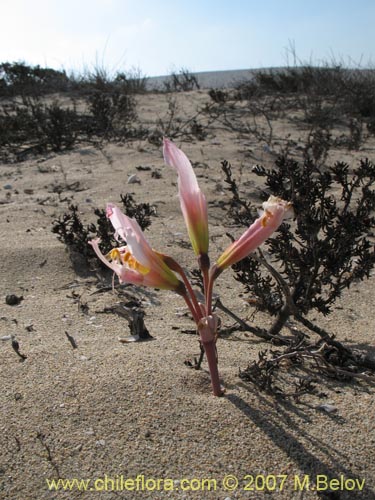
(134, 261)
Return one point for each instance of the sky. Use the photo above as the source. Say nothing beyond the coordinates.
(161, 36)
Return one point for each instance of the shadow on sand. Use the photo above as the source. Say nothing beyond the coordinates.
(324, 458)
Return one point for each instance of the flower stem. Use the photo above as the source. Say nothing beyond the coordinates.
(175, 266)
(206, 281)
(210, 349)
(214, 272)
(191, 307)
(208, 293)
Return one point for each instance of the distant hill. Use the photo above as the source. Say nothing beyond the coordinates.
(210, 79)
(229, 78)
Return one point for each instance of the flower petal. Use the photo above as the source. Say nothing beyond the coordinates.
(275, 210)
(125, 275)
(193, 201)
(176, 158)
(159, 275)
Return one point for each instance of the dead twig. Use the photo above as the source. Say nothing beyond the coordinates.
(71, 340)
(50, 459)
(16, 348)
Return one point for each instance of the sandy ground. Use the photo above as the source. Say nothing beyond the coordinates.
(118, 411)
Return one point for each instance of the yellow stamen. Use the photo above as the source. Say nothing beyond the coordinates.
(127, 259)
(267, 216)
(114, 254)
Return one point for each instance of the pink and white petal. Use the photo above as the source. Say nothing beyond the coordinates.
(159, 274)
(275, 212)
(130, 231)
(176, 158)
(119, 221)
(125, 275)
(129, 276)
(193, 201)
(112, 265)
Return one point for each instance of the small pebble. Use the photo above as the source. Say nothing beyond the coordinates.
(156, 174)
(13, 300)
(134, 179)
(8, 186)
(131, 338)
(327, 408)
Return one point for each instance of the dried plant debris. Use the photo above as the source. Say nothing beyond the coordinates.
(16, 348)
(132, 311)
(83, 306)
(72, 340)
(298, 369)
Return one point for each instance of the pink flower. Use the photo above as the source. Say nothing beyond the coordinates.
(275, 210)
(136, 262)
(193, 201)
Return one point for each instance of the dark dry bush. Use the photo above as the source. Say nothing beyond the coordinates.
(198, 131)
(323, 81)
(30, 125)
(21, 79)
(112, 114)
(16, 125)
(183, 81)
(317, 145)
(324, 250)
(76, 235)
(371, 126)
(56, 128)
(73, 233)
(37, 127)
(142, 212)
(218, 96)
(316, 97)
(133, 82)
(320, 80)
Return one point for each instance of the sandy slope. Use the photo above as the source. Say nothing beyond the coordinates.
(112, 409)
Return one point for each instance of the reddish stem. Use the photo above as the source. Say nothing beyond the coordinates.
(206, 281)
(192, 309)
(210, 350)
(208, 293)
(193, 303)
